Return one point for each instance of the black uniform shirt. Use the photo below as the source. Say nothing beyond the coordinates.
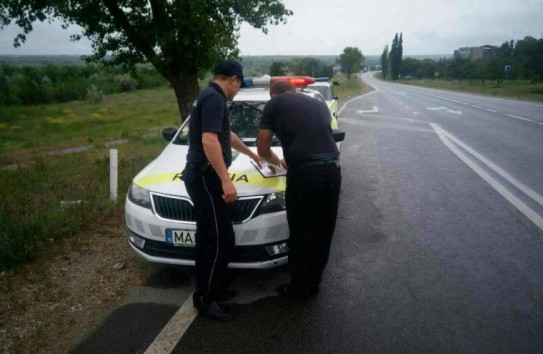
(208, 114)
(302, 124)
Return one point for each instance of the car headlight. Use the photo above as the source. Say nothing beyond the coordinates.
(273, 203)
(139, 196)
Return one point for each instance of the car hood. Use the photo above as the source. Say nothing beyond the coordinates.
(164, 175)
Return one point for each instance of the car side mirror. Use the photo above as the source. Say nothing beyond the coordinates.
(338, 135)
(168, 133)
(335, 98)
(335, 83)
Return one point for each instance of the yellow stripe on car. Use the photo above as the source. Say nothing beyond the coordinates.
(256, 179)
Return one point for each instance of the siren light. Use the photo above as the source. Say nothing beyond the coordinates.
(298, 81)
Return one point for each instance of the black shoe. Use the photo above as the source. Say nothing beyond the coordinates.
(197, 304)
(214, 311)
(287, 291)
(225, 295)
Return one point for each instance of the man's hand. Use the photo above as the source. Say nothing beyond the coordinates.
(277, 164)
(229, 191)
(257, 159)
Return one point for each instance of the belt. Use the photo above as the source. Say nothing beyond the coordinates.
(320, 162)
(199, 166)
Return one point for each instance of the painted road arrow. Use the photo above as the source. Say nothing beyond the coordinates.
(447, 110)
(362, 111)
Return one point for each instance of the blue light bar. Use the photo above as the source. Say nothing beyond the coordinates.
(248, 82)
(251, 82)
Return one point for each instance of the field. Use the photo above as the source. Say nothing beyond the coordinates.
(27, 129)
(517, 89)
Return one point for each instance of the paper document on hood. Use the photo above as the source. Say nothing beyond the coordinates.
(266, 172)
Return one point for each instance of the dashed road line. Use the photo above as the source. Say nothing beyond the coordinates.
(476, 106)
(491, 110)
(528, 120)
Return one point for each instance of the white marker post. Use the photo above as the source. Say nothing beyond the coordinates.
(113, 172)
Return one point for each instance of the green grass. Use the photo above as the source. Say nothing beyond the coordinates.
(518, 89)
(82, 122)
(349, 87)
(33, 212)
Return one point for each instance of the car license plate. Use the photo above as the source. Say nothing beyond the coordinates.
(184, 238)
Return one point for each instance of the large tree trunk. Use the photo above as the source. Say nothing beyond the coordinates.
(186, 90)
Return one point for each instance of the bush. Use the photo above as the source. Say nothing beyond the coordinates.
(57, 84)
(94, 95)
(126, 82)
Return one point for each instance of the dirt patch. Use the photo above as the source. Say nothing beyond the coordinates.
(48, 306)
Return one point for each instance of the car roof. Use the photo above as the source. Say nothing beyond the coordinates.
(320, 84)
(263, 94)
(253, 94)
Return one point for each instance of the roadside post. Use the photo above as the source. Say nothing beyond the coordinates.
(113, 173)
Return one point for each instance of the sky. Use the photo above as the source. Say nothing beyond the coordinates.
(326, 27)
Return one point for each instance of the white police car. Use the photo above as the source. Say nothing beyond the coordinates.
(161, 221)
(326, 89)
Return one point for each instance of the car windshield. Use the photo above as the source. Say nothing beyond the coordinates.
(324, 90)
(244, 121)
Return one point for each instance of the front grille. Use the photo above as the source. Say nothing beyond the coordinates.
(181, 209)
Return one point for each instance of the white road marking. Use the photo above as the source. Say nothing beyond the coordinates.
(528, 120)
(417, 113)
(354, 99)
(447, 139)
(476, 106)
(443, 98)
(447, 110)
(362, 111)
(491, 110)
(174, 330)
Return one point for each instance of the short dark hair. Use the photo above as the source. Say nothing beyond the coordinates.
(281, 87)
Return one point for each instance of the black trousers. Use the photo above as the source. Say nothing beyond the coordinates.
(312, 198)
(214, 235)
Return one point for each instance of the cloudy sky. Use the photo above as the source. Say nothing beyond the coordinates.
(325, 27)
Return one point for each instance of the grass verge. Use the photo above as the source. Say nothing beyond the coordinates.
(349, 87)
(517, 89)
(48, 199)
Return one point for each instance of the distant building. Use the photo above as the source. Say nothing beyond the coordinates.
(477, 53)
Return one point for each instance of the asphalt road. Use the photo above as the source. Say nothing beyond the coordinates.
(438, 246)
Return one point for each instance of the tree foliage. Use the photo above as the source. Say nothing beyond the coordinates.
(180, 38)
(309, 66)
(384, 62)
(395, 56)
(277, 68)
(525, 57)
(351, 60)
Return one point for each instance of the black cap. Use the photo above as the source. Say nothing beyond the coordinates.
(230, 68)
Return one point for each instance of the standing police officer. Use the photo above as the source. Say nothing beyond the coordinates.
(302, 124)
(210, 188)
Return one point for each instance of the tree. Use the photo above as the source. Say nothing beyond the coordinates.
(384, 62)
(395, 56)
(276, 69)
(351, 60)
(180, 38)
(310, 67)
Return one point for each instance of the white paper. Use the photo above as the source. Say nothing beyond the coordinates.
(266, 172)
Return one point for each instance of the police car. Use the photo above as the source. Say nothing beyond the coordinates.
(161, 220)
(326, 89)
